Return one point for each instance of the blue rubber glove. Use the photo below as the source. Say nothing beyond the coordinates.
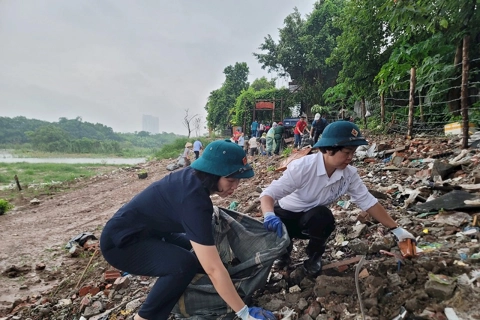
(260, 313)
(255, 313)
(273, 223)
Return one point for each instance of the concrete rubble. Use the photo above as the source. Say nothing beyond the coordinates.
(429, 185)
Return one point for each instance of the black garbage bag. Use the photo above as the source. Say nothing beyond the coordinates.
(248, 252)
(80, 239)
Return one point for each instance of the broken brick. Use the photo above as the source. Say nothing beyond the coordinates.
(111, 275)
(84, 291)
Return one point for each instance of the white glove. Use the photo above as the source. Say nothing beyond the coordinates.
(244, 314)
(402, 234)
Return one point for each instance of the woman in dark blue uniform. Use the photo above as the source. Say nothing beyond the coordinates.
(153, 234)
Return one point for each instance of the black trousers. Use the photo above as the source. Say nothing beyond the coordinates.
(278, 142)
(167, 257)
(197, 154)
(315, 224)
(316, 136)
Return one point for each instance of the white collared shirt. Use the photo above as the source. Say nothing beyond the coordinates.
(305, 185)
(252, 142)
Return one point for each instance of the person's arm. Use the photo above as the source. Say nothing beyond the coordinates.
(379, 213)
(213, 266)
(291, 180)
(306, 128)
(266, 204)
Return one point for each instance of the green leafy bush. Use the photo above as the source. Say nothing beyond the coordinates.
(176, 148)
(5, 206)
(287, 152)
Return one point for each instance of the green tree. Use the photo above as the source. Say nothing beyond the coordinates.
(428, 36)
(221, 102)
(287, 57)
(49, 138)
(302, 50)
(262, 83)
(362, 48)
(217, 110)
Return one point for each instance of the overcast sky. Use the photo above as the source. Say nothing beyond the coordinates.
(111, 61)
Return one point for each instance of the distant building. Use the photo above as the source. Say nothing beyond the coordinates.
(150, 124)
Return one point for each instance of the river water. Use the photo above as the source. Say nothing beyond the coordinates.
(6, 157)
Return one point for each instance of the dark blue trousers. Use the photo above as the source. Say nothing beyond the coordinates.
(168, 257)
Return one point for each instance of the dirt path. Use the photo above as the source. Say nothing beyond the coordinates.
(37, 234)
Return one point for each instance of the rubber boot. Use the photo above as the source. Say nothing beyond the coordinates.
(313, 265)
(315, 249)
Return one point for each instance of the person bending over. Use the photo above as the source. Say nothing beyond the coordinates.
(299, 198)
(154, 234)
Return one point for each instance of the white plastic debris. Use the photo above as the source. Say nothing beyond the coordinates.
(450, 314)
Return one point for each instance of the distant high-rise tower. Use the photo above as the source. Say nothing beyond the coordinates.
(150, 124)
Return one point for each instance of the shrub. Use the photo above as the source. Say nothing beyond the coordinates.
(287, 152)
(176, 148)
(5, 206)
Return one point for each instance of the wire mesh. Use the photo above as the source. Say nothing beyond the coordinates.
(437, 102)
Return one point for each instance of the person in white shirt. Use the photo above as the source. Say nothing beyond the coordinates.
(197, 147)
(299, 198)
(241, 140)
(186, 154)
(252, 146)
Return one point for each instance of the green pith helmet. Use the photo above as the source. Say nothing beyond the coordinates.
(224, 158)
(341, 134)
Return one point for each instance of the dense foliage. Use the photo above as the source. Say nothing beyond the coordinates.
(76, 136)
(347, 55)
(222, 100)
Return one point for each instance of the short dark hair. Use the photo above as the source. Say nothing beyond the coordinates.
(333, 149)
(209, 181)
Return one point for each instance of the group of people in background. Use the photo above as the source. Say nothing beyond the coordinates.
(267, 140)
(190, 148)
(258, 129)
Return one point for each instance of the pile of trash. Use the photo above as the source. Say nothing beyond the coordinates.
(429, 185)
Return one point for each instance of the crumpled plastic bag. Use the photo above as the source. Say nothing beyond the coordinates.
(80, 239)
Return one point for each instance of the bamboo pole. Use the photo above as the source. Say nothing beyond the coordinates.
(411, 101)
(464, 92)
(85, 270)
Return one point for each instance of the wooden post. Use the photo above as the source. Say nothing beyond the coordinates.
(382, 107)
(273, 110)
(464, 91)
(18, 183)
(364, 112)
(244, 124)
(411, 101)
(281, 108)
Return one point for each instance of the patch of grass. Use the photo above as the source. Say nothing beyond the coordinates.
(36, 173)
(174, 149)
(287, 152)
